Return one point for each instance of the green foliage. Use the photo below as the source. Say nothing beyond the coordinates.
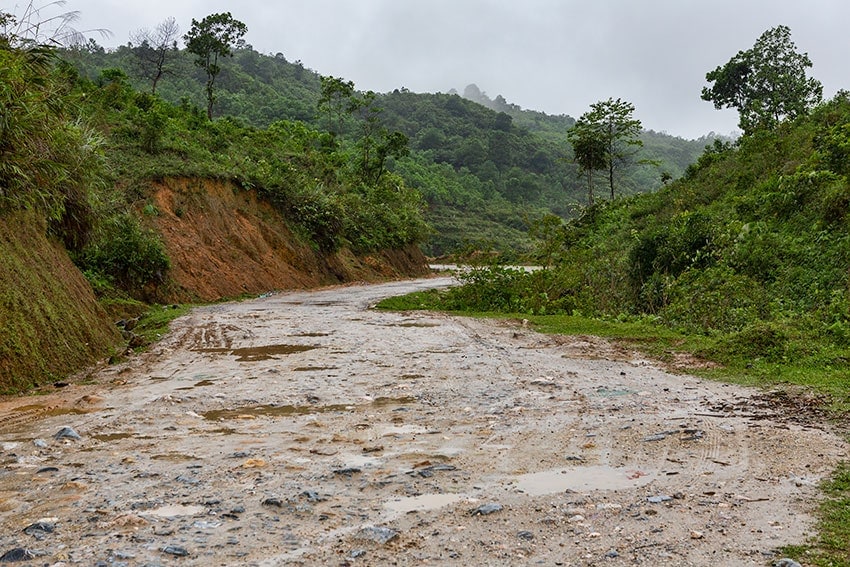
(128, 255)
(751, 249)
(482, 170)
(213, 37)
(601, 139)
(766, 83)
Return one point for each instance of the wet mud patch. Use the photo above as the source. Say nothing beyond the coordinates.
(259, 353)
(269, 410)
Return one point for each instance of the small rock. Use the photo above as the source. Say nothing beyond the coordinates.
(67, 433)
(785, 562)
(61, 384)
(39, 530)
(378, 534)
(486, 509)
(347, 471)
(47, 470)
(658, 499)
(187, 479)
(40, 443)
(357, 553)
(272, 501)
(695, 534)
(175, 550)
(17, 554)
(612, 554)
(313, 496)
(526, 535)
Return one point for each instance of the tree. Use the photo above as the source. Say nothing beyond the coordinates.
(589, 152)
(376, 143)
(154, 48)
(337, 100)
(213, 37)
(605, 138)
(766, 84)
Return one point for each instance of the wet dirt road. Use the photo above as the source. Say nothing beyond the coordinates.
(306, 429)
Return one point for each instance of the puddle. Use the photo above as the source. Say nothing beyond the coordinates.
(174, 457)
(174, 511)
(581, 479)
(45, 411)
(423, 502)
(254, 354)
(273, 411)
(290, 410)
(106, 437)
(604, 392)
(385, 401)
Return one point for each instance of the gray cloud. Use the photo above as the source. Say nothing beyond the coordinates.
(548, 55)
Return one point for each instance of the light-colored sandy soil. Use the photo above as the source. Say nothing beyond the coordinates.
(305, 429)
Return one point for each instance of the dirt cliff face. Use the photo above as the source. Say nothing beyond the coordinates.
(225, 241)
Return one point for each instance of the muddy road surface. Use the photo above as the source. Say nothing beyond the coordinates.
(306, 429)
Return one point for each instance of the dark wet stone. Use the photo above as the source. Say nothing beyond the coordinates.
(526, 535)
(67, 433)
(17, 554)
(39, 530)
(486, 509)
(175, 550)
(272, 501)
(378, 534)
(47, 470)
(61, 384)
(313, 496)
(187, 479)
(347, 471)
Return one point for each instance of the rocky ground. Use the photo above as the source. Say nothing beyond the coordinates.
(306, 429)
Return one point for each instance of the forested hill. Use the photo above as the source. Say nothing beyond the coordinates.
(485, 170)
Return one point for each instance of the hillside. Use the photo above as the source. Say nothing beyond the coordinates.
(114, 195)
(485, 170)
(747, 256)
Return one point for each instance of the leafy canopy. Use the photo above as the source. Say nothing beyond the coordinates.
(213, 37)
(602, 138)
(766, 84)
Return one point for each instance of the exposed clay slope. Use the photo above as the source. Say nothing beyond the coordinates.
(224, 241)
(50, 323)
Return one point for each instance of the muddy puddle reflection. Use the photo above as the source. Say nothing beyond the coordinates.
(580, 479)
(259, 353)
(252, 412)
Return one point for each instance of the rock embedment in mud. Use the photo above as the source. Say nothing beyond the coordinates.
(398, 438)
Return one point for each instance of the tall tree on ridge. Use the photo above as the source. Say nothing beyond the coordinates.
(766, 84)
(213, 37)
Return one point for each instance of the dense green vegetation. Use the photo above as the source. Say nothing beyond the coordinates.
(486, 169)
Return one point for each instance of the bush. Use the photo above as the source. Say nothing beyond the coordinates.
(128, 255)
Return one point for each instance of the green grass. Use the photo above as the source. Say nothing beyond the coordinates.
(155, 322)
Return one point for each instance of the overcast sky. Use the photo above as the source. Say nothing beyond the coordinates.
(556, 56)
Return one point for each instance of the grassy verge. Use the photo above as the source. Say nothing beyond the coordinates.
(816, 371)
